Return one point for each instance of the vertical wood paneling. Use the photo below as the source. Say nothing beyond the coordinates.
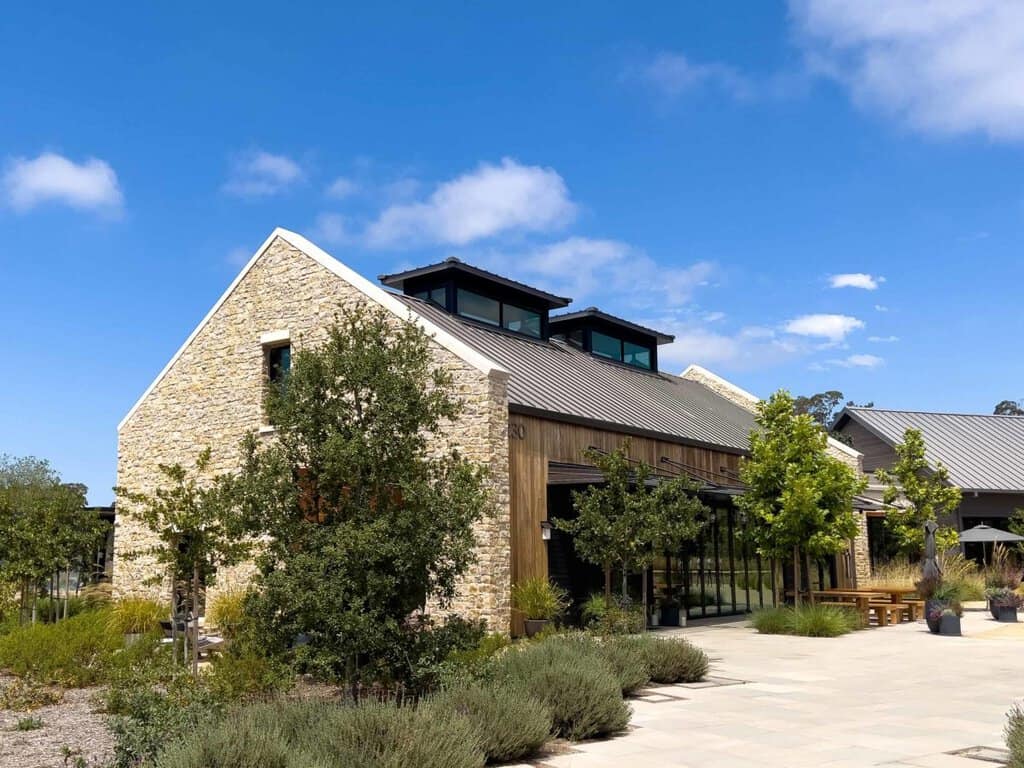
(534, 442)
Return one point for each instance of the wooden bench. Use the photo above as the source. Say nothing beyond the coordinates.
(915, 608)
(888, 613)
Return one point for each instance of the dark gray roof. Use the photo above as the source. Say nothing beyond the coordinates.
(556, 379)
(452, 264)
(663, 338)
(982, 453)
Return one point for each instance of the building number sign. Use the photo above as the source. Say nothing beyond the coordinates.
(516, 431)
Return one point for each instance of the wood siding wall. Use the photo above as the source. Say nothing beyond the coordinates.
(533, 442)
(877, 452)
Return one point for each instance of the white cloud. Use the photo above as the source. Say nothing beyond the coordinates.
(883, 339)
(672, 74)
(942, 66)
(589, 270)
(330, 228)
(261, 174)
(341, 188)
(856, 280)
(50, 177)
(484, 202)
(749, 348)
(858, 361)
(835, 328)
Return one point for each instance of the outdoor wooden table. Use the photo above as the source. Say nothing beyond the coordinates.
(860, 598)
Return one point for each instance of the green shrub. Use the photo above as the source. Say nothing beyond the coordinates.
(416, 656)
(668, 660)
(24, 695)
(538, 598)
(97, 595)
(581, 689)
(157, 715)
(627, 661)
(463, 667)
(52, 609)
(71, 653)
(1014, 733)
(244, 674)
(594, 609)
(618, 620)
(511, 724)
(137, 616)
(28, 724)
(227, 613)
(773, 621)
(297, 735)
(807, 620)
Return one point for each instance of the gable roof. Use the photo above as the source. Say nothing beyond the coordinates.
(981, 452)
(554, 379)
(372, 291)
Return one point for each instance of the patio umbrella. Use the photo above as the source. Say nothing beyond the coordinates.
(983, 533)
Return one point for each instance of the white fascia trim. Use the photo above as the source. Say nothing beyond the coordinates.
(693, 372)
(455, 346)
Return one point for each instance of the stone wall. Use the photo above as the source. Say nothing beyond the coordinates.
(212, 396)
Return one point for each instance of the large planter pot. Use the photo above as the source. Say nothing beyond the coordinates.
(992, 609)
(950, 626)
(930, 607)
(535, 626)
(1005, 613)
(670, 615)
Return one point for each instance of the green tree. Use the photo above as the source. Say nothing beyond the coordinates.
(799, 499)
(45, 527)
(1009, 408)
(625, 521)
(918, 493)
(365, 519)
(198, 528)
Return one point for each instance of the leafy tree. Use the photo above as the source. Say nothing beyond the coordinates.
(918, 494)
(823, 407)
(45, 527)
(625, 522)
(364, 519)
(1009, 408)
(799, 499)
(198, 528)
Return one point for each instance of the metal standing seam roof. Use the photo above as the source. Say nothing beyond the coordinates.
(556, 378)
(981, 452)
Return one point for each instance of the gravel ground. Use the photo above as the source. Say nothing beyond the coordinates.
(73, 723)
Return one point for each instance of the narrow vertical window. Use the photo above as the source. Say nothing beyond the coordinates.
(279, 362)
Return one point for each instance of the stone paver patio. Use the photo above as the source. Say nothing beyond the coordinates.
(896, 696)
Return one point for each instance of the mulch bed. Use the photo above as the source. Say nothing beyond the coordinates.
(73, 727)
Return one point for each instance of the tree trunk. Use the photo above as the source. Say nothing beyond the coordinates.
(67, 590)
(608, 583)
(625, 585)
(195, 621)
(796, 576)
(807, 570)
(643, 589)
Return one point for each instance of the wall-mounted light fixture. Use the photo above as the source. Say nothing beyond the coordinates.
(545, 530)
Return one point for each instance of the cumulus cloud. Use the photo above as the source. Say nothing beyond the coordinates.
(341, 188)
(52, 178)
(856, 280)
(881, 308)
(748, 348)
(261, 174)
(331, 229)
(592, 269)
(672, 74)
(835, 328)
(945, 67)
(883, 339)
(482, 203)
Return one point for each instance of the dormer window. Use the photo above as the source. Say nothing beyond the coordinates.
(610, 338)
(480, 296)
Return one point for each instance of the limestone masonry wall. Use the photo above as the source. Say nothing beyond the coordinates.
(212, 396)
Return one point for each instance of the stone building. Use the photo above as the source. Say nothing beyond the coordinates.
(539, 389)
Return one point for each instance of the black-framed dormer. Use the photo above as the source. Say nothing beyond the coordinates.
(480, 296)
(610, 338)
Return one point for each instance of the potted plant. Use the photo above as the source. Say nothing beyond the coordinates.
(944, 601)
(949, 624)
(670, 608)
(135, 617)
(539, 601)
(926, 589)
(1004, 602)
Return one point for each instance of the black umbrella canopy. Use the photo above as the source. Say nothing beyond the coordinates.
(985, 533)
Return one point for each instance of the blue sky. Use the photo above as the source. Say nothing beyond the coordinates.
(710, 169)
